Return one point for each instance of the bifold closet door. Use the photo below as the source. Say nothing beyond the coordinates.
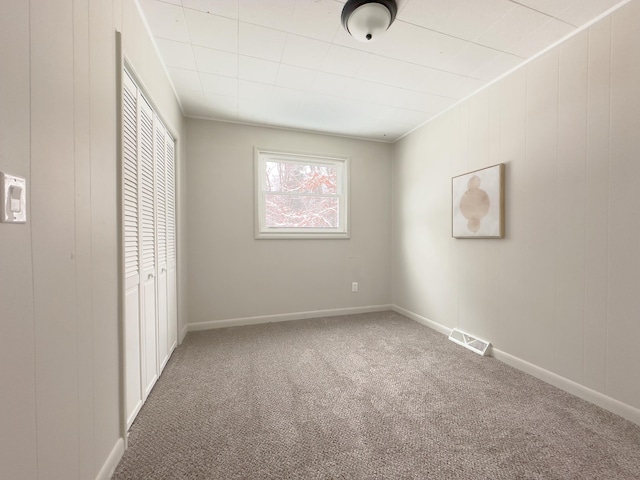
(148, 248)
(131, 270)
(161, 243)
(149, 245)
(172, 287)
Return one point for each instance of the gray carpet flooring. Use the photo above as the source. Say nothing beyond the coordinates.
(371, 396)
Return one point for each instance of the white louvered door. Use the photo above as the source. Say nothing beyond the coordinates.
(148, 246)
(172, 290)
(161, 242)
(130, 220)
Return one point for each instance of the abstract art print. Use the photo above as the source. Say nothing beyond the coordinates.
(478, 203)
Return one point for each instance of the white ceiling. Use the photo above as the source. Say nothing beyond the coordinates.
(289, 63)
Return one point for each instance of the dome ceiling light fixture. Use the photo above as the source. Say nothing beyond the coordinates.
(366, 20)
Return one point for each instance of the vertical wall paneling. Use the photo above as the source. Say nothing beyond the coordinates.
(493, 250)
(434, 254)
(17, 368)
(473, 298)
(597, 205)
(61, 415)
(425, 257)
(511, 293)
(399, 287)
(104, 227)
(456, 166)
(415, 176)
(82, 181)
(571, 207)
(623, 329)
(569, 266)
(440, 252)
(461, 249)
(53, 217)
(479, 130)
(541, 209)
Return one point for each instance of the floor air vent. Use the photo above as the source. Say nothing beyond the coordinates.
(474, 344)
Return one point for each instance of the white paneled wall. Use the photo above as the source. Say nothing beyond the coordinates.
(597, 201)
(17, 318)
(623, 301)
(561, 290)
(571, 206)
(58, 283)
(61, 413)
(87, 440)
(53, 266)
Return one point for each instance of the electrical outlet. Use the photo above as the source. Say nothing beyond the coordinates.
(354, 287)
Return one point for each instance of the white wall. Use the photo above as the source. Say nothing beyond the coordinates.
(59, 361)
(561, 290)
(232, 275)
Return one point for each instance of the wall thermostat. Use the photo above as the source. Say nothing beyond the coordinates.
(14, 199)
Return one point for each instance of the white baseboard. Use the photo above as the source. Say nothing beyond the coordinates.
(420, 319)
(112, 461)
(236, 322)
(611, 404)
(615, 406)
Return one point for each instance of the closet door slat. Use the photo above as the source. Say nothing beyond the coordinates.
(147, 200)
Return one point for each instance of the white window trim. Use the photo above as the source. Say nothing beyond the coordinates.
(263, 232)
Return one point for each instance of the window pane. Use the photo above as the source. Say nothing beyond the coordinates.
(300, 178)
(292, 211)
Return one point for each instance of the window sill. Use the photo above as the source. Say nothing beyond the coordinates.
(302, 236)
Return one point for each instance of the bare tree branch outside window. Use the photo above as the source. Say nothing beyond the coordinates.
(301, 195)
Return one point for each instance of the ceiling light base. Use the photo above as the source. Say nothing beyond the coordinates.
(366, 20)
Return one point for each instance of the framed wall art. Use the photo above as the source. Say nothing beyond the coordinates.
(478, 203)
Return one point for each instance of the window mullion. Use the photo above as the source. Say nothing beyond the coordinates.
(297, 194)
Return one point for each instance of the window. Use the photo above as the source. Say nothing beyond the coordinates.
(300, 195)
